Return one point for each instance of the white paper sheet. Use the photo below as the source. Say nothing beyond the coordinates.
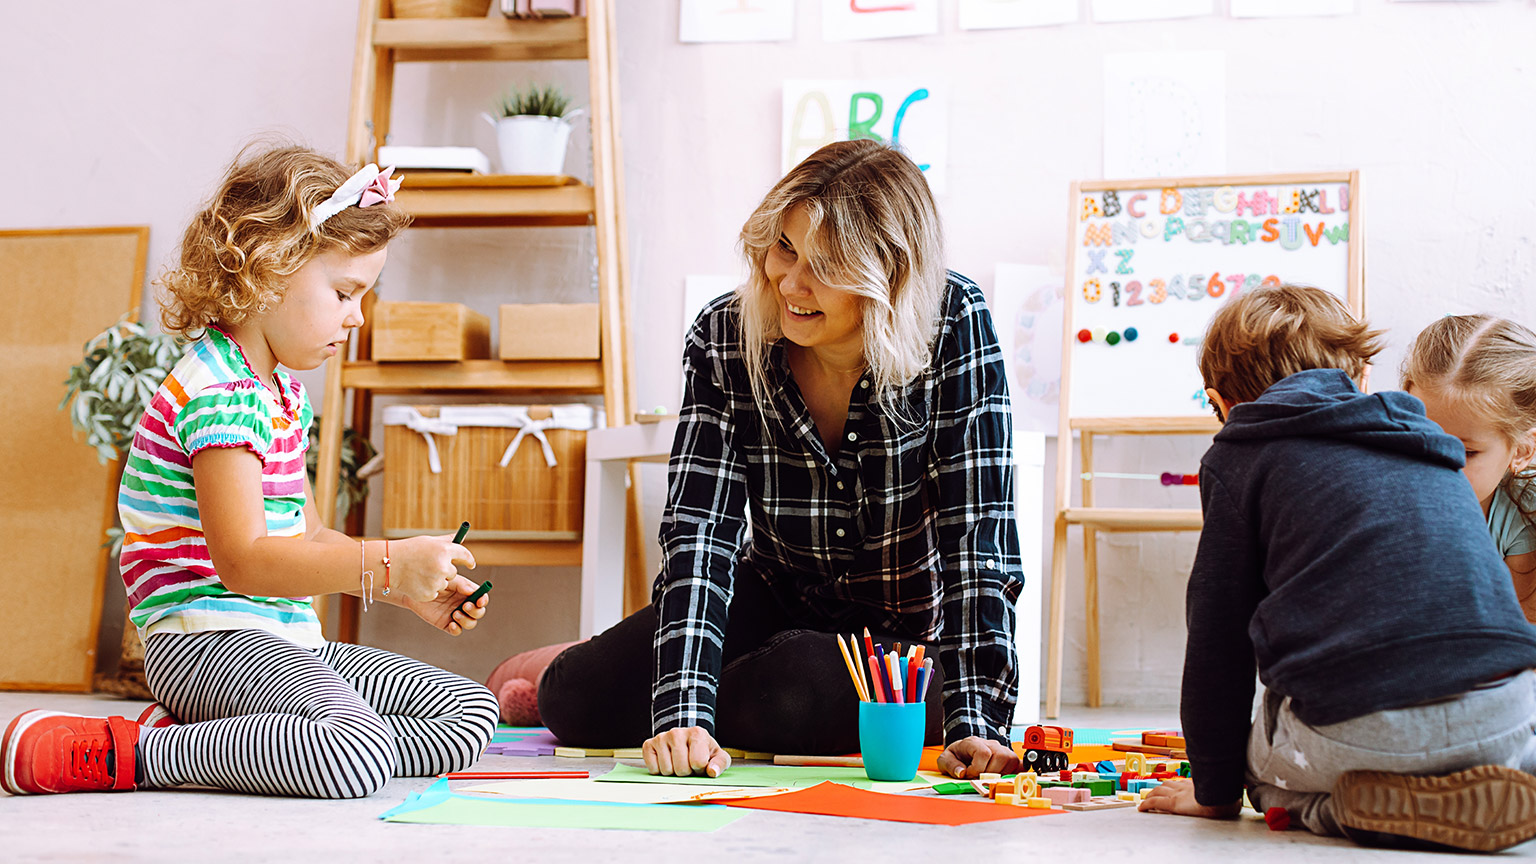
(1165, 114)
(997, 14)
(850, 20)
(736, 21)
(913, 113)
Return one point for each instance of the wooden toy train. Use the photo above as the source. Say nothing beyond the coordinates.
(1044, 748)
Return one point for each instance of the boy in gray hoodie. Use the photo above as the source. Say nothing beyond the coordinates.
(1345, 557)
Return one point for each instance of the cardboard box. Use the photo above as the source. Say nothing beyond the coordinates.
(405, 331)
(549, 331)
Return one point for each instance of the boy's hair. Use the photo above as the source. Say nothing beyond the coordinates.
(257, 229)
(1489, 363)
(1267, 334)
(875, 232)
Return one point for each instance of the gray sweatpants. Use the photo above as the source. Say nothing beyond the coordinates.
(1293, 765)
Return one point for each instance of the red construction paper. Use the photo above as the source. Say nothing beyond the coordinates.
(835, 799)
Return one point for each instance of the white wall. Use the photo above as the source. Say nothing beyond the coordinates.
(128, 111)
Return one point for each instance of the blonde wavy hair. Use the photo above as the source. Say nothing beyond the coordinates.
(1270, 333)
(1488, 363)
(875, 232)
(257, 229)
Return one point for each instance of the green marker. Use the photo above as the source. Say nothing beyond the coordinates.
(479, 592)
(463, 530)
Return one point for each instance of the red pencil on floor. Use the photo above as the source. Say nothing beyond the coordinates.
(516, 775)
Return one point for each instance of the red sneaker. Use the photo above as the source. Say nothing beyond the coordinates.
(45, 752)
(157, 716)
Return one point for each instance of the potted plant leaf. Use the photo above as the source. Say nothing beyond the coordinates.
(533, 128)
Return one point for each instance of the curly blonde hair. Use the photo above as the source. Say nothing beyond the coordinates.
(257, 230)
(875, 232)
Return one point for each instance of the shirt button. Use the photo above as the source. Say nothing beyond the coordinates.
(991, 564)
(839, 484)
(864, 384)
(852, 437)
(841, 532)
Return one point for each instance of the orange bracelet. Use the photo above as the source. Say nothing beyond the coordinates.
(386, 567)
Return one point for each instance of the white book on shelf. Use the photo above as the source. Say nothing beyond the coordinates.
(405, 158)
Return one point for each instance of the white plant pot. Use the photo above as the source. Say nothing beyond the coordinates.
(531, 144)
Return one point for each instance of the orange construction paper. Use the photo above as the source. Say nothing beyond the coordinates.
(835, 799)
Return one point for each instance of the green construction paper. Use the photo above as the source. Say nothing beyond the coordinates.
(781, 776)
(550, 813)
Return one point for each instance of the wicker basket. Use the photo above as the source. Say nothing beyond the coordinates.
(441, 8)
(531, 491)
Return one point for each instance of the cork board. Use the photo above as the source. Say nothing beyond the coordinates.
(61, 287)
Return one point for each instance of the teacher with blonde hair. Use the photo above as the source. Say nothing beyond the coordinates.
(843, 461)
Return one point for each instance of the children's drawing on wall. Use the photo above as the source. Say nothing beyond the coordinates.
(1026, 309)
(736, 21)
(998, 14)
(1146, 10)
(1290, 8)
(911, 113)
(850, 20)
(1165, 114)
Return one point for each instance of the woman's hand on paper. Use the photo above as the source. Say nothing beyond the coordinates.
(684, 751)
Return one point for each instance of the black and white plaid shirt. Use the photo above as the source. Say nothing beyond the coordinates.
(909, 528)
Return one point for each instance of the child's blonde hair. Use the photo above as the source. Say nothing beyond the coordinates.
(1267, 334)
(1488, 363)
(257, 229)
(874, 231)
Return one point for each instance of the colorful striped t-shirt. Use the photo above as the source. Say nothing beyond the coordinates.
(210, 399)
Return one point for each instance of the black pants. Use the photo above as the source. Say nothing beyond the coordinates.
(783, 689)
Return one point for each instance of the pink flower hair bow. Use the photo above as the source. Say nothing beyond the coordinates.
(367, 187)
(381, 190)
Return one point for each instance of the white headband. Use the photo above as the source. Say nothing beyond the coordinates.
(367, 187)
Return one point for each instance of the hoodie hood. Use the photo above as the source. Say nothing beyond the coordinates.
(1324, 403)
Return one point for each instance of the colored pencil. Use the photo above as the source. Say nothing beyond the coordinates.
(869, 645)
(821, 761)
(517, 775)
(848, 661)
(874, 678)
(895, 672)
(860, 668)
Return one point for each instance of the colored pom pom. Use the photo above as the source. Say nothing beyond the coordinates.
(1278, 819)
(1084, 336)
(1131, 334)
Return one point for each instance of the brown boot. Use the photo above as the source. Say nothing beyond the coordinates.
(1482, 809)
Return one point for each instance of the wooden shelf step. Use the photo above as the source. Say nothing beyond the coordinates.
(496, 204)
(497, 38)
(1131, 519)
(529, 376)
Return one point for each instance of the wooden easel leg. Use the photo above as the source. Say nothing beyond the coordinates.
(1091, 608)
(1058, 619)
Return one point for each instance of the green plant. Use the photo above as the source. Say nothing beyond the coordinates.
(112, 386)
(545, 101)
(355, 453)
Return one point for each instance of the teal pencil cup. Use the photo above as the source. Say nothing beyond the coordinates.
(891, 738)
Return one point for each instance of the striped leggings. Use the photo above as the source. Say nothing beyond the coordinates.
(265, 716)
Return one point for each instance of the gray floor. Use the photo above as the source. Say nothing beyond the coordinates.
(204, 826)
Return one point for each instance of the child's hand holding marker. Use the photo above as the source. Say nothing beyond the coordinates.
(421, 567)
(459, 605)
(684, 751)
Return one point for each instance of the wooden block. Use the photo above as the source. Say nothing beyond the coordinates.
(411, 331)
(1100, 803)
(629, 753)
(1004, 798)
(1138, 747)
(1039, 803)
(549, 331)
(1064, 795)
(1158, 739)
